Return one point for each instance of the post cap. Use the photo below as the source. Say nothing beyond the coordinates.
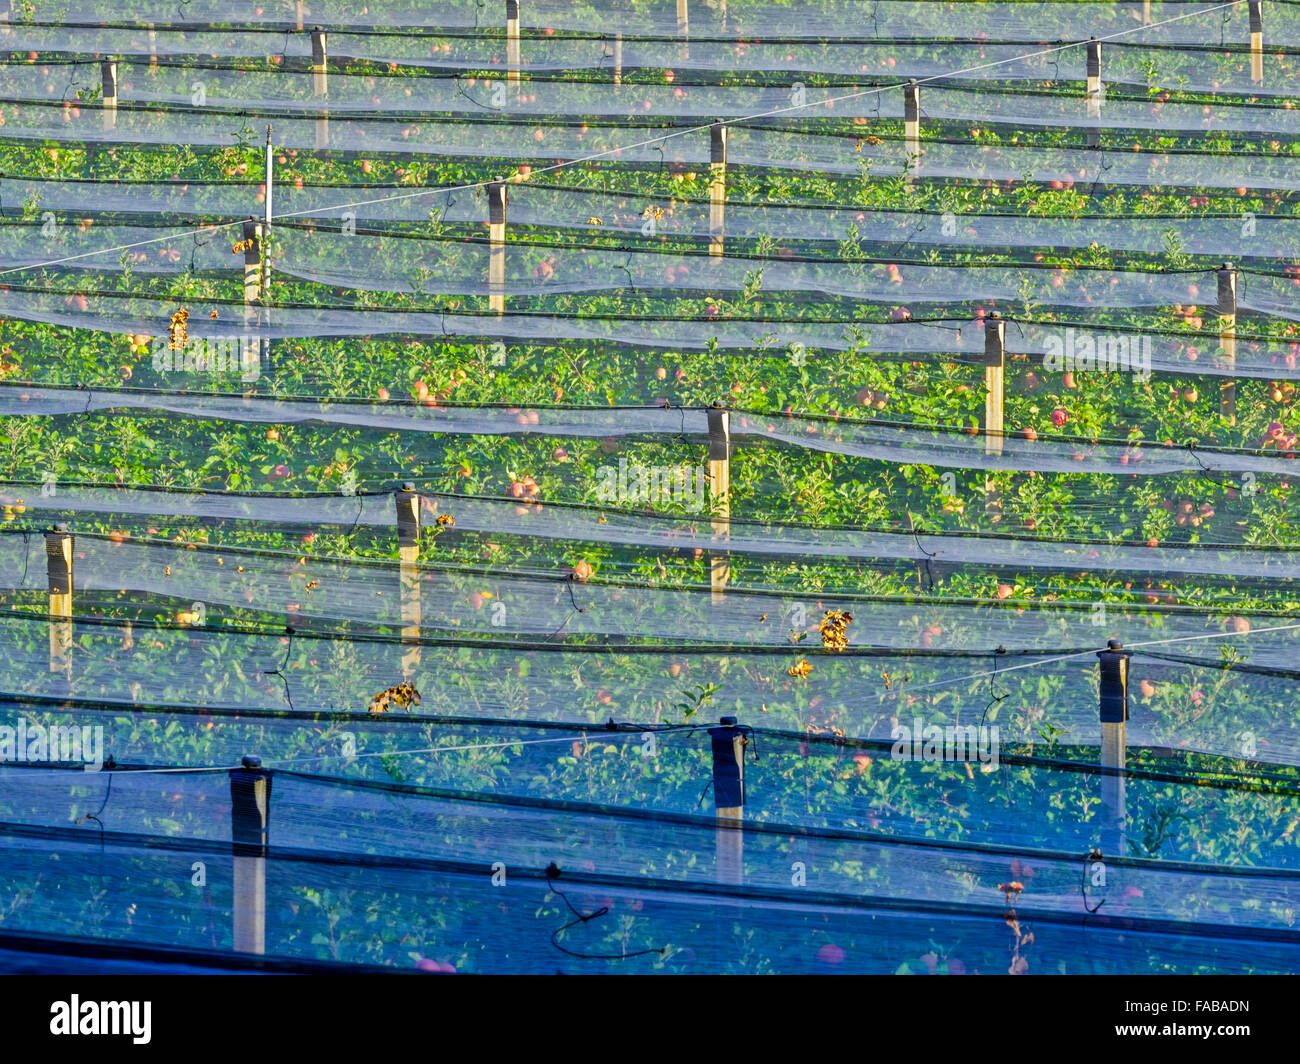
(252, 761)
(62, 526)
(727, 722)
(1114, 644)
(408, 485)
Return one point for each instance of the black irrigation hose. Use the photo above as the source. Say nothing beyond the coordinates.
(553, 873)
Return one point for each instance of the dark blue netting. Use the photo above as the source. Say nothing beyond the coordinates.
(441, 920)
(332, 864)
(513, 740)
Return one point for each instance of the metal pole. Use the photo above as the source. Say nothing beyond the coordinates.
(250, 818)
(683, 29)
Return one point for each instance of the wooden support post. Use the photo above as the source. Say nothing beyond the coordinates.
(1257, 42)
(618, 59)
(717, 187)
(1146, 12)
(108, 93)
(995, 363)
(912, 125)
(1228, 340)
(320, 82)
(58, 551)
(153, 47)
(498, 199)
(250, 819)
(720, 485)
(408, 551)
(252, 240)
(729, 799)
(299, 13)
(251, 350)
(1113, 709)
(1094, 92)
(512, 42)
(683, 30)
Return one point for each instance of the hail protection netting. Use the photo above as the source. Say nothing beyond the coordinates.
(1172, 23)
(643, 766)
(1230, 703)
(540, 600)
(464, 95)
(1132, 62)
(511, 928)
(754, 143)
(529, 397)
(632, 219)
(363, 841)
